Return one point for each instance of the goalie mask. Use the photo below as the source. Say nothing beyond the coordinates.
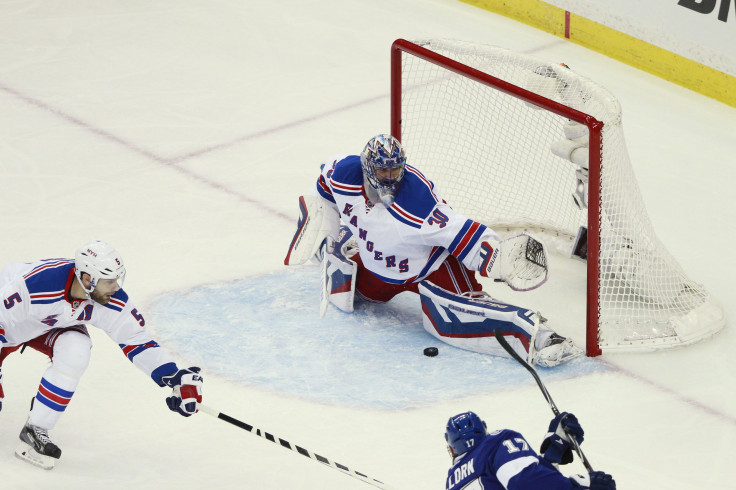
(383, 162)
(104, 266)
(464, 432)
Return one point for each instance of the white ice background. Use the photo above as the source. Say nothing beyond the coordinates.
(183, 132)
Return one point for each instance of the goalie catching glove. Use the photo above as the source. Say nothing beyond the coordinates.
(520, 262)
(187, 391)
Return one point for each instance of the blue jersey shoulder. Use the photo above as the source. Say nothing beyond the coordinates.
(494, 442)
(348, 171)
(495, 439)
(117, 301)
(416, 195)
(503, 460)
(483, 462)
(49, 276)
(121, 295)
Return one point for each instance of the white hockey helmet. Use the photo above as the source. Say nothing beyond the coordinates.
(100, 261)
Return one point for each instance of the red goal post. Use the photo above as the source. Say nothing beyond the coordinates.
(469, 112)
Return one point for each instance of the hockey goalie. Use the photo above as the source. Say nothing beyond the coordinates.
(379, 227)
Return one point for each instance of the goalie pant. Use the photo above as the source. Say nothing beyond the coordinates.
(505, 461)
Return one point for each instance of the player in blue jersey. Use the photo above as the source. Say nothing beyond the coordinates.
(398, 234)
(47, 306)
(503, 460)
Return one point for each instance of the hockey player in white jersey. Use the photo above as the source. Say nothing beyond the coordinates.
(398, 234)
(46, 306)
(504, 460)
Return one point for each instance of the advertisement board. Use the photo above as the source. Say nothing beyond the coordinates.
(700, 30)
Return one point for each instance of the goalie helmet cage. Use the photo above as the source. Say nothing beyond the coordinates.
(481, 120)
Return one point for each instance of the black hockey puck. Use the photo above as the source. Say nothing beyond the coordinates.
(431, 351)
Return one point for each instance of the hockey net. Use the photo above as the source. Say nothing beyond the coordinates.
(480, 121)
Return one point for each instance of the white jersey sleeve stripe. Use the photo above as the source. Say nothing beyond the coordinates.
(45, 266)
(43, 298)
(394, 211)
(509, 470)
(346, 187)
(406, 214)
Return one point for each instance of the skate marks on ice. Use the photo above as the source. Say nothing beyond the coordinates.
(266, 331)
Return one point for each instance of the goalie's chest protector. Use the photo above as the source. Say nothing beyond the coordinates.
(391, 239)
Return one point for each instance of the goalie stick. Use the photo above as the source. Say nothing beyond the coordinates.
(324, 290)
(502, 341)
(293, 447)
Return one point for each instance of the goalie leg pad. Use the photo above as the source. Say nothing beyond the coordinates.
(339, 272)
(467, 321)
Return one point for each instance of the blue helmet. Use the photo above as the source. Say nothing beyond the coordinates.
(383, 162)
(464, 432)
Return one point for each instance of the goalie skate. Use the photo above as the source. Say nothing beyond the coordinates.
(36, 447)
(557, 350)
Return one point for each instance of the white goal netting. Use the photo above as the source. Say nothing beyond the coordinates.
(489, 151)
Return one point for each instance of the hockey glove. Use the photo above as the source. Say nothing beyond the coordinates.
(187, 391)
(519, 261)
(595, 480)
(2, 395)
(556, 446)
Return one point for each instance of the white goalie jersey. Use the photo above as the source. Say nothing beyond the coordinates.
(411, 238)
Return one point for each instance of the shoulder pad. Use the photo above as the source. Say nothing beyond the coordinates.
(117, 301)
(348, 171)
(416, 195)
(121, 295)
(49, 276)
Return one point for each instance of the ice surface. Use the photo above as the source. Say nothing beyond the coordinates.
(183, 132)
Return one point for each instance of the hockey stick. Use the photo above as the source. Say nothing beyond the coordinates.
(501, 340)
(293, 447)
(325, 280)
(324, 290)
